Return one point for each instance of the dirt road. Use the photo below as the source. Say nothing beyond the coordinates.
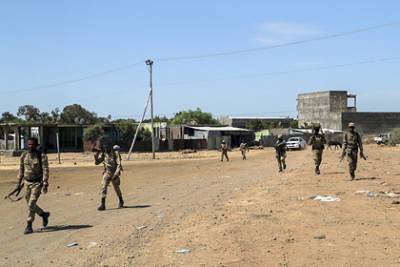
(238, 213)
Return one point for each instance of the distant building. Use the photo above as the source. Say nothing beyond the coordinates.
(214, 135)
(335, 109)
(243, 122)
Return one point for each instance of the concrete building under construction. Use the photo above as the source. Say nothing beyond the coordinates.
(335, 109)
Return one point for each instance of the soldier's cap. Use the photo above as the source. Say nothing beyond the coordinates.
(116, 147)
(351, 124)
(223, 141)
(280, 136)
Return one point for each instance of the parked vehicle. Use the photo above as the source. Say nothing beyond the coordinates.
(382, 139)
(296, 143)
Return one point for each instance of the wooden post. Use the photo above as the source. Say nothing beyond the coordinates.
(58, 147)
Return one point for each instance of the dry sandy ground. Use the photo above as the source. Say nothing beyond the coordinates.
(238, 213)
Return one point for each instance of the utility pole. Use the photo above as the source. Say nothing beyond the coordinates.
(150, 64)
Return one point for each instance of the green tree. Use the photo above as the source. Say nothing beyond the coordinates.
(294, 124)
(55, 115)
(126, 130)
(77, 114)
(93, 133)
(194, 117)
(30, 113)
(9, 117)
(45, 117)
(395, 136)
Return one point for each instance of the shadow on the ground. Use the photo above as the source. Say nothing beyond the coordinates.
(334, 173)
(66, 227)
(132, 207)
(368, 178)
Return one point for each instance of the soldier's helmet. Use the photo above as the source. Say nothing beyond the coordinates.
(280, 136)
(351, 125)
(116, 148)
(223, 141)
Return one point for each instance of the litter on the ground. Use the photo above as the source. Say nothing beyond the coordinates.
(141, 227)
(182, 250)
(73, 244)
(326, 198)
(92, 244)
(378, 194)
(320, 237)
(362, 192)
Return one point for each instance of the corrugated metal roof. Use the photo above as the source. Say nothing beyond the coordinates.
(260, 118)
(218, 129)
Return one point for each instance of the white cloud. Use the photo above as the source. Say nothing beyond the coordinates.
(272, 33)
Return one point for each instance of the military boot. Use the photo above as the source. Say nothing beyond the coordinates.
(284, 166)
(102, 205)
(28, 229)
(352, 176)
(121, 203)
(45, 217)
(317, 171)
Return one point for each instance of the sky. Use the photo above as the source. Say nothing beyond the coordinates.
(46, 42)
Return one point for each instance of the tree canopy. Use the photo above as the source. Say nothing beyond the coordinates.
(194, 117)
(77, 114)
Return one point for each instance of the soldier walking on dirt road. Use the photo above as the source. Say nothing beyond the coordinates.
(317, 143)
(280, 153)
(111, 159)
(243, 149)
(34, 175)
(224, 151)
(351, 144)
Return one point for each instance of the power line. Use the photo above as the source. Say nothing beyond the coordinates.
(177, 83)
(364, 62)
(179, 58)
(88, 77)
(251, 50)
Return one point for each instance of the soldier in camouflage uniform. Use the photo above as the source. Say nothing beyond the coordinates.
(111, 159)
(34, 174)
(317, 143)
(280, 149)
(224, 151)
(351, 144)
(243, 149)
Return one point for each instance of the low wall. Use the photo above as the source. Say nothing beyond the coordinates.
(372, 122)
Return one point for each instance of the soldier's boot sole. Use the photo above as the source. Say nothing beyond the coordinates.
(121, 203)
(102, 205)
(45, 217)
(28, 229)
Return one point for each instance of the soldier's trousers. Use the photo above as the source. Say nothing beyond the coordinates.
(243, 154)
(107, 179)
(224, 153)
(281, 161)
(352, 159)
(317, 155)
(32, 194)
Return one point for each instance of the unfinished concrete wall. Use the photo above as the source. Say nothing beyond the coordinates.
(322, 107)
(372, 122)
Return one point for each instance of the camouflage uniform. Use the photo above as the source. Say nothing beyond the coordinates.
(280, 153)
(351, 144)
(111, 174)
(317, 142)
(34, 173)
(243, 150)
(224, 152)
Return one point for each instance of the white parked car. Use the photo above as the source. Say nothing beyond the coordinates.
(382, 139)
(296, 143)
